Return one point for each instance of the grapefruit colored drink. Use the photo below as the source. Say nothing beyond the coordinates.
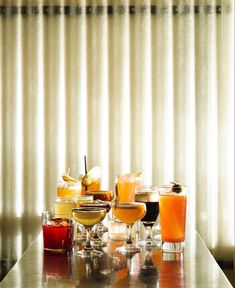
(173, 214)
(173, 219)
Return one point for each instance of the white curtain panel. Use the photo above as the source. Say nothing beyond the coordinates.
(134, 85)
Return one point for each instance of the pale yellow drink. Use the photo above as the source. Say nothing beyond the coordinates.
(64, 205)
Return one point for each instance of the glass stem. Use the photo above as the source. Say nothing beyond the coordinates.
(148, 230)
(88, 241)
(129, 240)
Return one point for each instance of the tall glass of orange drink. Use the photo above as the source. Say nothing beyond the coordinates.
(172, 203)
(125, 186)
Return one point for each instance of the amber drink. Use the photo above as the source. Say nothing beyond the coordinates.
(173, 201)
(129, 213)
(88, 217)
(125, 186)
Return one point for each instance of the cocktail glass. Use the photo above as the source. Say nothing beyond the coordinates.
(99, 228)
(91, 181)
(88, 217)
(80, 232)
(149, 195)
(57, 232)
(64, 205)
(106, 196)
(125, 187)
(172, 202)
(129, 213)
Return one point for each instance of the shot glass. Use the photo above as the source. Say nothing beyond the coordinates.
(172, 204)
(57, 232)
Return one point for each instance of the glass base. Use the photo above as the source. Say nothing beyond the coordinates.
(58, 250)
(173, 247)
(149, 244)
(88, 253)
(128, 249)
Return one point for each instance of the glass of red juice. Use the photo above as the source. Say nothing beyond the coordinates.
(57, 232)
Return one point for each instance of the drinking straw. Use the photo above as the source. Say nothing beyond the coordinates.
(85, 164)
(85, 169)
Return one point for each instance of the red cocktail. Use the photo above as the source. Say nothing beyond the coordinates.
(58, 235)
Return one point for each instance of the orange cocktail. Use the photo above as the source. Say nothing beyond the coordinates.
(129, 213)
(172, 217)
(91, 181)
(125, 186)
(95, 186)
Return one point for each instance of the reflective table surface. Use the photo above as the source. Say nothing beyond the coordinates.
(195, 267)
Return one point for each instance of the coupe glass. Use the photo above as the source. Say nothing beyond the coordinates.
(129, 213)
(88, 217)
(149, 195)
(96, 240)
(104, 197)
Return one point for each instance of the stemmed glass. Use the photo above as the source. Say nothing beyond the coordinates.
(97, 241)
(104, 197)
(149, 195)
(88, 217)
(129, 213)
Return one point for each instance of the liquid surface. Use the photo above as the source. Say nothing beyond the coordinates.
(88, 216)
(129, 213)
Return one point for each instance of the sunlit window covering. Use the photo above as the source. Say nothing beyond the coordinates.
(136, 86)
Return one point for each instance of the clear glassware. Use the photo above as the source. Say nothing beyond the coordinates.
(80, 231)
(173, 204)
(129, 213)
(88, 217)
(98, 228)
(104, 197)
(149, 195)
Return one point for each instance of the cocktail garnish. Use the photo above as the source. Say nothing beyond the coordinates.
(68, 178)
(92, 176)
(176, 187)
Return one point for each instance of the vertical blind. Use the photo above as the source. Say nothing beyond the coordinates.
(134, 85)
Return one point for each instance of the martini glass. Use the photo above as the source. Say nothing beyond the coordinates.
(129, 213)
(88, 217)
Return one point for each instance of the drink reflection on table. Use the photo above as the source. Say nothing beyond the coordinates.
(149, 273)
(96, 270)
(57, 265)
(171, 268)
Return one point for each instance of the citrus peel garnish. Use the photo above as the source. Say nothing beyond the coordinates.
(92, 176)
(68, 178)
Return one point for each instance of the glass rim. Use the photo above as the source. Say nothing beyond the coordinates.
(98, 191)
(154, 188)
(166, 190)
(127, 204)
(81, 198)
(90, 209)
